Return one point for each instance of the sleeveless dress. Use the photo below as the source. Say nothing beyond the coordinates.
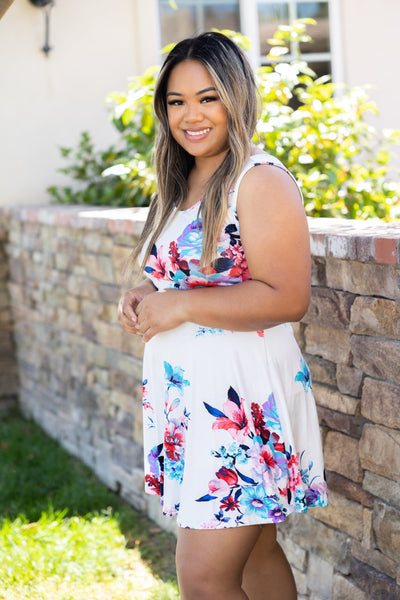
(231, 434)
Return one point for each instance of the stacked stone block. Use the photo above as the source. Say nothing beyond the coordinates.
(80, 377)
(351, 340)
(8, 365)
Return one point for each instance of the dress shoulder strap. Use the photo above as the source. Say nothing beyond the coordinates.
(254, 161)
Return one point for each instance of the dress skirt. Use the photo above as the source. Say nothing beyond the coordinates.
(234, 439)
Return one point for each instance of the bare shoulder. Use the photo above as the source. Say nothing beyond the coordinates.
(268, 187)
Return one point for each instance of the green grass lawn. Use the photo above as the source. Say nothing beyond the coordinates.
(65, 536)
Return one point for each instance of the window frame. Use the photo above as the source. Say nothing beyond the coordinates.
(249, 26)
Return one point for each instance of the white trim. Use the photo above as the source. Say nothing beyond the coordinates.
(336, 43)
(249, 26)
(309, 57)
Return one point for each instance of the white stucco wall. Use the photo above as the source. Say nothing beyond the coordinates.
(47, 101)
(370, 45)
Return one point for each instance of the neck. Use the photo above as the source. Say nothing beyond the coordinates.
(204, 168)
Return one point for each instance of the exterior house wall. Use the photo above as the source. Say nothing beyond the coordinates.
(80, 377)
(47, 101)
(370, 48)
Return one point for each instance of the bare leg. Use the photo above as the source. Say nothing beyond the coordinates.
(210, 562)
(267, 574)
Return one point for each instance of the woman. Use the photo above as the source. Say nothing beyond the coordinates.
(231, 434)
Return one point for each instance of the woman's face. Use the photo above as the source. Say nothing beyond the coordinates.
(197, 118)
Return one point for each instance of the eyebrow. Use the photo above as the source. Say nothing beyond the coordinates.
(209, 89)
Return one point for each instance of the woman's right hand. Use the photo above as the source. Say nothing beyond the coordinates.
(128, 303)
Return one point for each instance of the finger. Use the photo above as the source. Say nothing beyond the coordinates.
(148, 335)
(130, 328)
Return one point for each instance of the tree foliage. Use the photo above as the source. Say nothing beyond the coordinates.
(322, 132)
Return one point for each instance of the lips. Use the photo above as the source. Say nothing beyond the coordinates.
(197, 133)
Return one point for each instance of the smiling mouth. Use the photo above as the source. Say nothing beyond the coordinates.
(197, 133)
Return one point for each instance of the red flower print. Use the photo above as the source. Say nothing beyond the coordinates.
(176, 262)
(294, 473)
(268, 458)
(173, 441)
(195, 281)
(240, 268)
(227, 475)
(261, 333)
(229, 503)
(259, 422)
(155, 484)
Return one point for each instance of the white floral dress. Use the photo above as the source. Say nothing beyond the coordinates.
(231, 434)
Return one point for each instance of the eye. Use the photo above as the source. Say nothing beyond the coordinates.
(207, 99)
(174, 102)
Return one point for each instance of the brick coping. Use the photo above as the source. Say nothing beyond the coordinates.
(364, 241)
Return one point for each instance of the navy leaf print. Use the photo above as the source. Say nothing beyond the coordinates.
(234, 397)
(206, 498)
(154, 250)
(214, 411)
(223, 264)
(231, 228)
(245, 478)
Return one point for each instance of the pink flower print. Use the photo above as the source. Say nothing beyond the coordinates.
(234, 419)
(219, 487)
(156, 265)
(294, 473)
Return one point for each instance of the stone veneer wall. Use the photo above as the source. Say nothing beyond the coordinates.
(80, 377)
(8, 363)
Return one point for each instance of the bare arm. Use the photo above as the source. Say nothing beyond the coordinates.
(275, 239)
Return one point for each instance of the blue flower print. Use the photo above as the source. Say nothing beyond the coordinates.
(254, 500)
(174, 377)
(304, 375)
(174, 469)
(190, 243)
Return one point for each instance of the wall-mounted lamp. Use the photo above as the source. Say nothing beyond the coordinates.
(47, 5)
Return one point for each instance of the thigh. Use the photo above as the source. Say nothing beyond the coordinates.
(215, 553)
(266, 543)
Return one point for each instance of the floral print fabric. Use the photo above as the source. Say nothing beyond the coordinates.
(231, 434)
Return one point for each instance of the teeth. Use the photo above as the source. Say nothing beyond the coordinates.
(198, 132)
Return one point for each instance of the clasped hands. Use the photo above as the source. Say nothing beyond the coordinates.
(147, 314)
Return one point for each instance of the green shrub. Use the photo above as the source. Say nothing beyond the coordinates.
(322, 132)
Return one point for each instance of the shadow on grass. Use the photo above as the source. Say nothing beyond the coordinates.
(37, 474)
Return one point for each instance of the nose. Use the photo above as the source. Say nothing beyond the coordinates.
(193, 112)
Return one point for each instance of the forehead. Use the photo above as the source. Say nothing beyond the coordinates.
(189, 74)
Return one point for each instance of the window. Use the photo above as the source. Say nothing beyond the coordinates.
(193, 17)
(272, 13)
(259, 19)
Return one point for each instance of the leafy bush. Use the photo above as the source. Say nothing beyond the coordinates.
(320, 131)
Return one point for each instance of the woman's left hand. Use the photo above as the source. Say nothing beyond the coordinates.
(159, 312)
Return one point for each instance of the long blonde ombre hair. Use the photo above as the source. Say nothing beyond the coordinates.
(235, 83)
